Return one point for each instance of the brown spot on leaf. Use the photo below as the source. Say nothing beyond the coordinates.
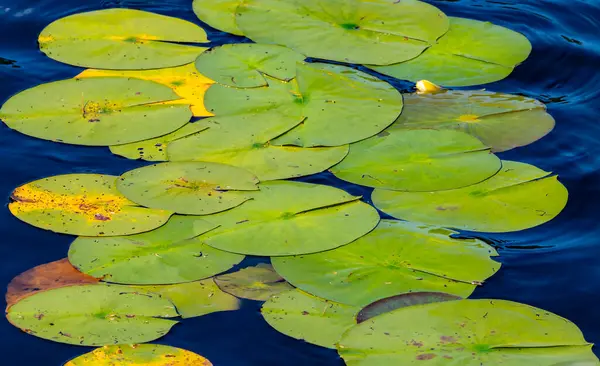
(425, 356)
(101, 217)
(39, 316)
(416, 344)
(447, 339)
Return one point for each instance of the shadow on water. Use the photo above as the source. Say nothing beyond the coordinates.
(554, 266)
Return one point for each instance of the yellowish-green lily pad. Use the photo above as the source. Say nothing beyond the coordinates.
(139, 355)
(255, 283)
(219, 14)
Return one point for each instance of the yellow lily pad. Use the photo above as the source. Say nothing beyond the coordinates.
(139, 354)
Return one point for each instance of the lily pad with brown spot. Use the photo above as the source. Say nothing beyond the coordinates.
(255, 283)
(82, 204)
(139, 355)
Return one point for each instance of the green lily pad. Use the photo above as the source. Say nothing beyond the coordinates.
(397, 257)
(156, 149)
(191, 188)
(255, 283)
(466, 332)
(122, 39)
(329, 105)
(418, 160)
(94, 315)
(82, 204)
(379, 32)
(519, 197)
(232, 140)
(138, 355)
(286, 218)
(96, 111)
(471, 53)
(219, 14)
(309, 318)
(169, 254)
(500, 121)
(401, 301)
(244, 65)
(197, 298)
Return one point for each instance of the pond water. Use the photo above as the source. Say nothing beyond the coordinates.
(555, 266)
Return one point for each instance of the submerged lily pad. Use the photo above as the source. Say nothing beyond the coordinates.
(254, 283)
(184, 80)
(82, 204)
(244, 65)
(169, 254)
(471, 53)
(330, 105)
(519, 197)
(500, 121)
(401, 301)
(122, 39)
(377, 32)
(219, 14)
(94, 315)
(397, 257)
(286, 218)
(96, 111)
(233, 140)
(418, 160)
(466, 332)
(140, 354)
(309, 318)
(191, 188)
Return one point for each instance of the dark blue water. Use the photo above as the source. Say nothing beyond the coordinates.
(555, 266)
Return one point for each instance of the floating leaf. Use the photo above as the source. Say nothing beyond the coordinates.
(501, 121)
(466, 332)
(471, 53)
(377, 32)
(218, 14)
(82, 204)
(96, 111)
(519, 197)
(191, 188)
(255, 283)
(184, 80)
(197, 298)
(418, 160)
(232, 140)
(397, 257)
(45, 277)
(401, 301)
(139, 354)
(122, 39)
(286, 218)
(309, 318)
(94, 315)
(169, 254)
(330, 105)
(244, 65)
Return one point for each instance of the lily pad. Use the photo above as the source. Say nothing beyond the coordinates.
(96, 111)
(233, 140)
(139, 354)
(330, 105)
(82, 204)
(94, 315)
(401, 301)
(286, 218)
(184, 80)
(397, 257)
(500, 121)
(519, 197)
(197, 298)
(309, 318)
(418, 160)
(255, 283)
(471, 53)
(466, 332)
(219, 14)
(122, 39)
(45, 277)
(244, 65)
(191, 188)
(377, 32)
(169, 254)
